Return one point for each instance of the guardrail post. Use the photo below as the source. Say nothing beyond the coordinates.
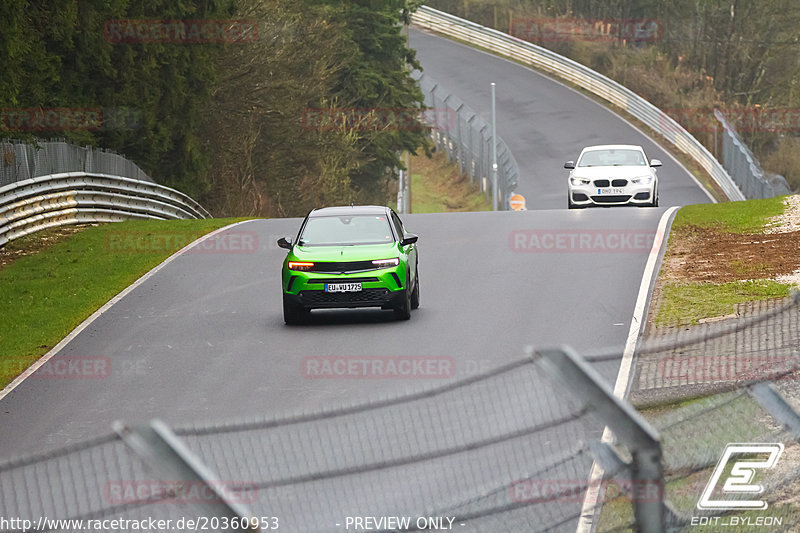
(162, 451)
(628, 426)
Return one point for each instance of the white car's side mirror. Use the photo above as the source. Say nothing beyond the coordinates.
(655, 163)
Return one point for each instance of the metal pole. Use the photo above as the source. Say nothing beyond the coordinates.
(174, 463)
(629, 427)
(494, 152)
(407, 195)
(400, 195)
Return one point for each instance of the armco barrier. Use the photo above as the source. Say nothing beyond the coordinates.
(34, 204)
(594, 82)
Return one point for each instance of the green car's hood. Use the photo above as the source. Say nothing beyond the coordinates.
(360, 252)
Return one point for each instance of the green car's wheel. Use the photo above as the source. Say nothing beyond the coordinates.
(404, 311)
(415, 294)
(292, 313)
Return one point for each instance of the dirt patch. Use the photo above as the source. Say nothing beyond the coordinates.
(708, 255)
(31, 244)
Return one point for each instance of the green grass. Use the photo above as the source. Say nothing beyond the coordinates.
(687, 303)
(437, 187)
(734, 217)
(683, 489)
(45, 295)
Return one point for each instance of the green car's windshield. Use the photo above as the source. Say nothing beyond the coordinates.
(346, 230)
(611, 158)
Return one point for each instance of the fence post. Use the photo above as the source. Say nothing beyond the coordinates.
(161, 449)
(629, 427)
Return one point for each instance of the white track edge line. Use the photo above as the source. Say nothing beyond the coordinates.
(94, 316)
(589, 507)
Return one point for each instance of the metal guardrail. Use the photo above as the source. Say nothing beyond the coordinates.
(744, 168)
(467, 139)
(35, 204)
(594, 82)
(20, 161)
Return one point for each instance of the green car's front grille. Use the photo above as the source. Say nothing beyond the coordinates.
(313, 281)
(367, 295)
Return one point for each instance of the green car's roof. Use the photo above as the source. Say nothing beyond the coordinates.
(350, 210)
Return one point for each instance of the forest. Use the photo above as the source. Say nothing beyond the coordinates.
(213, 97)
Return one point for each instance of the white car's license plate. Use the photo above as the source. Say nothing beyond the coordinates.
(611, 190)
(342, 287)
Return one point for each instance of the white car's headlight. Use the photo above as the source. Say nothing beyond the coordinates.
(579, 181)
(642, 180)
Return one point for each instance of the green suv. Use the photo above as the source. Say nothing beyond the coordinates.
(346, 257)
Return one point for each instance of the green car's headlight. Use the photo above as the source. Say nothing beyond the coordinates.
(300, 265)
(386, 263)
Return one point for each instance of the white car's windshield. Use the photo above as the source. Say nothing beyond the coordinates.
(346, 230)
(611, 158)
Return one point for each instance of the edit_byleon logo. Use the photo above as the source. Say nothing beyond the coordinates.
(752, 457)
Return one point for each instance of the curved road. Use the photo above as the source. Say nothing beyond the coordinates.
(204, 340)
(543, 122)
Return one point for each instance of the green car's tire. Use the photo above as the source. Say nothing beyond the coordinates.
(292, 313)
(415, 294)
(404, 311)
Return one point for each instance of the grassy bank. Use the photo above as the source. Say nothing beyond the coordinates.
(437, 187)
(53, 280)
(719, 255)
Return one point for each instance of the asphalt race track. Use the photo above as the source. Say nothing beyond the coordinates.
(203, 340)
(543, 122)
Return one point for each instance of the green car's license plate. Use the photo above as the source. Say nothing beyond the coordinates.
(342, 287)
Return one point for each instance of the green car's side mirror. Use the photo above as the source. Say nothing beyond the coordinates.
(409, 238)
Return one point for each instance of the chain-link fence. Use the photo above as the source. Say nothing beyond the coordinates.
(466, 137)
(472, 452)
(508, 449)
(705, 389)
(20, 161)
(744, 168)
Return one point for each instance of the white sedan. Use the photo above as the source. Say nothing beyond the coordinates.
(612, 174)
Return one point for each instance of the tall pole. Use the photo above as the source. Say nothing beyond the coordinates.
(407, 194)
(494, 152)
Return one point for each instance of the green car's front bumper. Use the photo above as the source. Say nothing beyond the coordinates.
(385, 288)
